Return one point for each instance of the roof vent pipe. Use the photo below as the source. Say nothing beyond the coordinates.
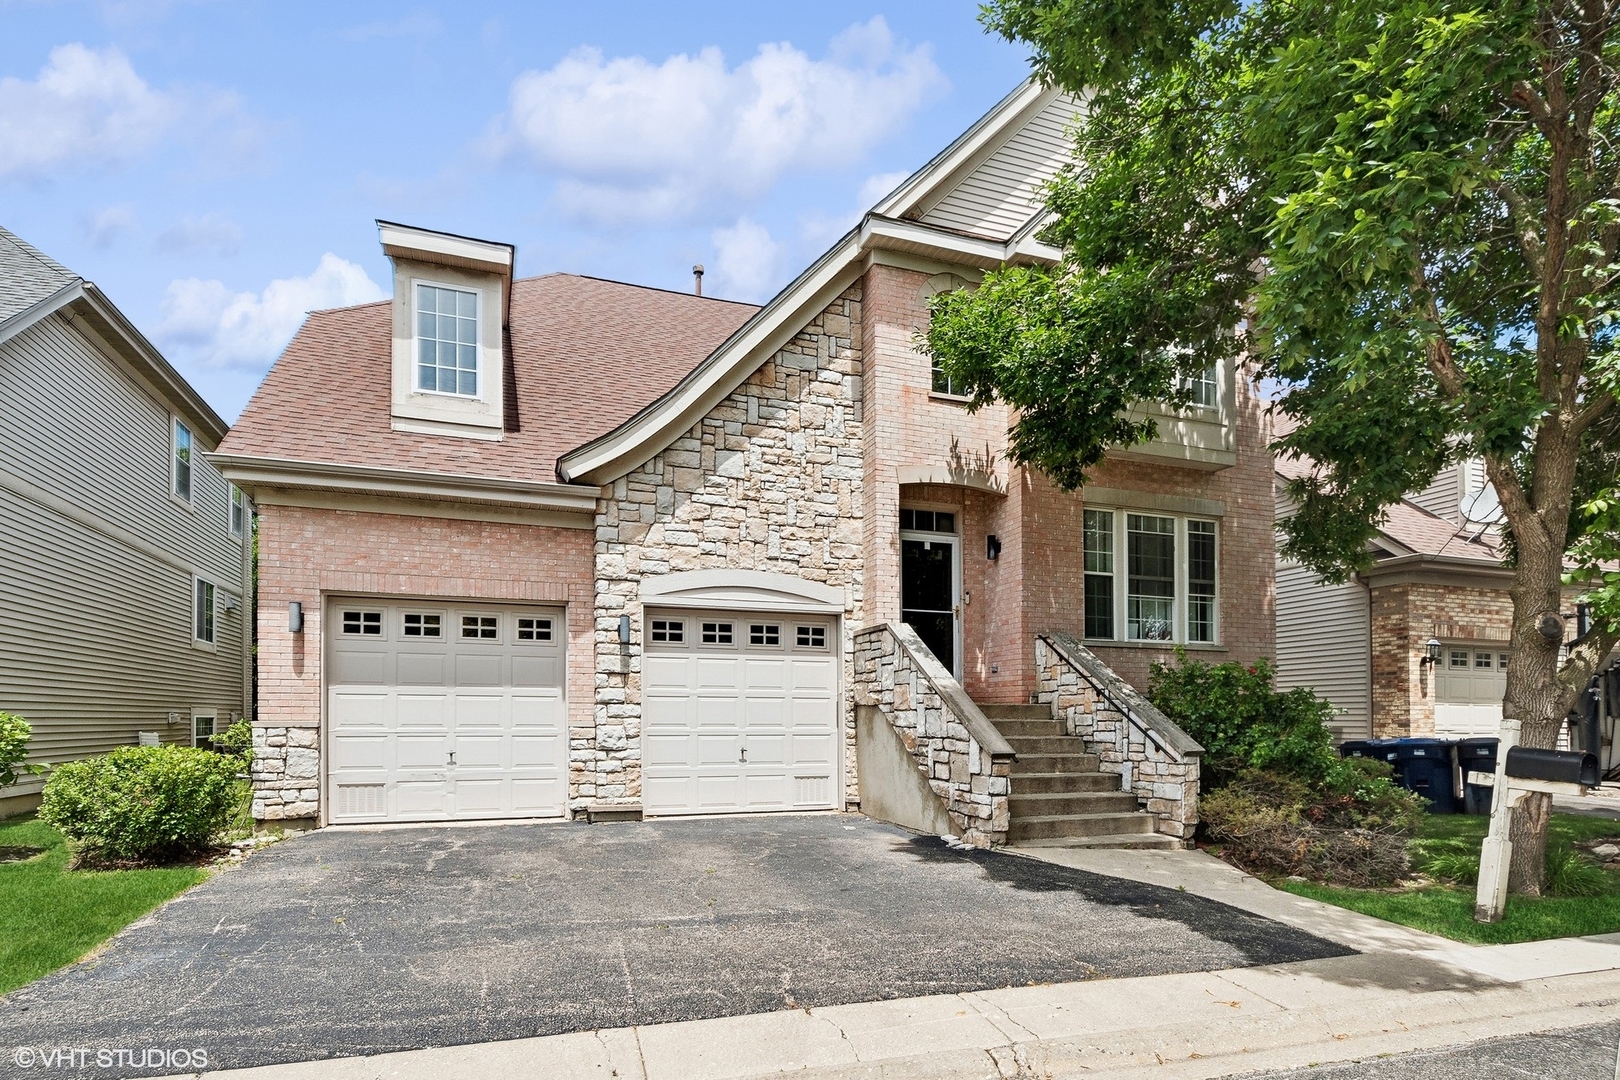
(697, 279)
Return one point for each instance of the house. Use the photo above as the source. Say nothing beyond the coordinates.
(125, 565)
(560, 546)
(1437, 575)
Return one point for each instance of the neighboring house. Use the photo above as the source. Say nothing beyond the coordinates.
(125, 572)
(561, 546)
(1437, 574)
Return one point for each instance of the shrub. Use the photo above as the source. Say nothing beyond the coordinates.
(236, 740)
(1568, 874)
(14, 736)
(143, 802)
(1243, 721)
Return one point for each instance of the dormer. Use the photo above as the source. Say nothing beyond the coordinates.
(452, 295)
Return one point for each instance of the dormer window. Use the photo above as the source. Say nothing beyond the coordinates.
(446, 340)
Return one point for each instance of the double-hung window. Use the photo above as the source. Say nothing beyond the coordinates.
(1150, 577)
(180, 467)
(202, 621)
(446, 340)
(238, 512)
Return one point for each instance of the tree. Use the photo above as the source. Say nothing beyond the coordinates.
(1405, 213)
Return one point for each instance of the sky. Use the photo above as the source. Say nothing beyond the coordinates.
(217, 168)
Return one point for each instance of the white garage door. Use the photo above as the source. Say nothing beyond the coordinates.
(440, 711)
(1470, 681)
(739, 713)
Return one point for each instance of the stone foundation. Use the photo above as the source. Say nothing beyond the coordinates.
(286, 773)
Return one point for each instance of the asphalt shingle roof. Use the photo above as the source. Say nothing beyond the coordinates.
(585, 355)
(27, 275)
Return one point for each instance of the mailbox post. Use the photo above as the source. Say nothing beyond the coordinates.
(1521, 770)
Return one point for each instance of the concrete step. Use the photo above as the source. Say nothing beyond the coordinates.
(1034, 745)
(1058, 763)
(1062, 783)
(1049, 803)
(1011, 728)
(1048, 826)
(1017, 712)
(1121, 840)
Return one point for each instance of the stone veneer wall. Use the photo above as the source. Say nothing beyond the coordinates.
(1404, 617)
(1156, 760)
(307, 554)
(770, 479)
(933, 717)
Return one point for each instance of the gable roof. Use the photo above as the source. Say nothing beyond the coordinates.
(33, 285)
(583, 354)
(1410, 530)
(997, 165)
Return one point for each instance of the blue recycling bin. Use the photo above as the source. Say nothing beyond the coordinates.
(1476, 755)
(1424, 766)
(1381, 749)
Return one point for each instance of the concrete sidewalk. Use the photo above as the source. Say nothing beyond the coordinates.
(1406, 991)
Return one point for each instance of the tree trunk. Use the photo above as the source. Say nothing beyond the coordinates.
(1537, 699)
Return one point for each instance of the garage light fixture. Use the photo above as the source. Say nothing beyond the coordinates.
(992, 547)
(624, 629)
(295, 617)
(1432, 651)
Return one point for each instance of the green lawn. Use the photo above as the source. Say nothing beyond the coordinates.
(1450, 911)
(51, 916)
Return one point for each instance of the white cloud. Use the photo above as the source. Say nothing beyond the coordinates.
(211, 233)
(102, 228)
(87, 106)
(630, 140)
(219, 328)
(90, 107)
(819, 228)
(746, 261)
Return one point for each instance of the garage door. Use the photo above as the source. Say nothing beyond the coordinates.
(442, 711)
(739, 713)
(1470, 681)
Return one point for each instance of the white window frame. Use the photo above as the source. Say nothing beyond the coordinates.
(1181, 606)
(212, 716)
(236, 500)
(478, 345)
(189, 498)
(198, 584)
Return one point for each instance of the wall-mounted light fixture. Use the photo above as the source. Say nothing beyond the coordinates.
(624, 629)
(992, 547)
(1432, 651)
(295, 617)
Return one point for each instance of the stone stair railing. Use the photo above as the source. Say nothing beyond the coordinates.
(965, 760)
(1156, 760)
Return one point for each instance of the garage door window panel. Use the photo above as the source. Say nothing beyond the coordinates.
(668, 631)
(419, 624)
(355, 622)
(717, 633)
(537, 631)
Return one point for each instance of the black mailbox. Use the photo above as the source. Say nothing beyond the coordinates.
(1559, 766)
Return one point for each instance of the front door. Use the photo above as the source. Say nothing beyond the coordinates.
(928, 604)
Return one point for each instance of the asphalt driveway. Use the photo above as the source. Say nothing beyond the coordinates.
(349, 942)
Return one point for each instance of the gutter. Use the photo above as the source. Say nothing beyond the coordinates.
(249, 472)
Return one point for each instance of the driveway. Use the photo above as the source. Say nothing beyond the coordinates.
(349, 942)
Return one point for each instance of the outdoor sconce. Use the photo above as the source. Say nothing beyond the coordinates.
(624, 629)
(992, 547)
(1432, 651)
(295, 617)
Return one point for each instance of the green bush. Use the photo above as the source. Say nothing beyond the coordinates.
(143, 802)
(1569, 874)
(1243, 721)
(14, 736)
(236, 740)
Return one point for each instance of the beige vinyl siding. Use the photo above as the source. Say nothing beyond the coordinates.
(1324, 642)
(1443, 496)
(97, 559)
(999, 196)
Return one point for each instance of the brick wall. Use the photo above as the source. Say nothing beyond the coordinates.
(771, 479)
(1404, 617)
(308, 554)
